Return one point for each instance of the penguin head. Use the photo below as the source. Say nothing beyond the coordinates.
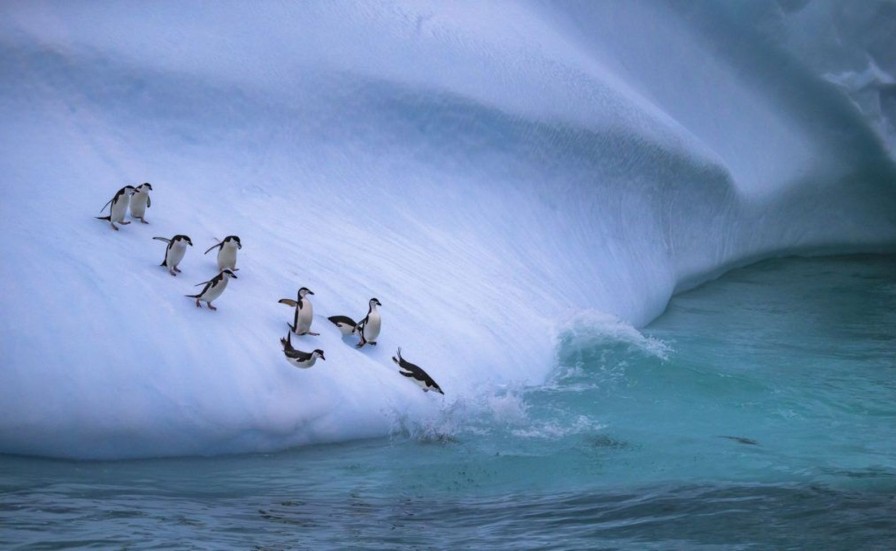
(228, 273)
(129, 190)
(305, 291)
(184, 238)
(374, 302)
(319, 352)
(233, 239)
(146, 186)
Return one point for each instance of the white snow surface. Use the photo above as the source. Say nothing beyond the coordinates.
(487, 170)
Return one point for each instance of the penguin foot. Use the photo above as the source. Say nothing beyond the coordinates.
(124, 222)
(210, 307)
(176, 269)
(197, 304)
(172, 273)
(114, 227)
(143, 221)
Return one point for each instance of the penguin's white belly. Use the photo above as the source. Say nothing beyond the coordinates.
(306, 314)
(138, 204)
(118, 210)
(372, 327)
(176, 254)
(215, 291)
(227, 257)
(303, 364)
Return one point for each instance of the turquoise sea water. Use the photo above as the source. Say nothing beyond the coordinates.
(759, 412)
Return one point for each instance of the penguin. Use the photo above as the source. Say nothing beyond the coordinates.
(213, 288)
(174, 252)
(227, 252)
(119, 206)
(369, 327)
(297, 357)
(345, 324)
(414, 372)
(141, 201)
(304, 314)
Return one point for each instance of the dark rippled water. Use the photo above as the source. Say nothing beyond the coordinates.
(758, 413)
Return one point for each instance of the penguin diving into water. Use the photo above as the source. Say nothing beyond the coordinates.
(304, 313)
(227, 252)
(213, 288)
(140, 201)
(416, 374)
(118, 206)
(297, 357)
(174, 252)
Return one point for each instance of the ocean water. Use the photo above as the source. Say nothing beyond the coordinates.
(758, 412)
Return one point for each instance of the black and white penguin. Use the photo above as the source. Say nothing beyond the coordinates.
(416, 374)
(118, 206)
(174, 252)
(213, 288)
(369, 327)
(345, 324)
(140, 201)
(304, 313)
(297, 357)
(227, 252)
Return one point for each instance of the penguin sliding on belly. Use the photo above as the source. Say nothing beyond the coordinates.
(297, 357)
(416, 374)
(213, 288)
(118, 206)
(304, 313)
(368, 328)
(227, 252)
(140, 201)
(174, 252)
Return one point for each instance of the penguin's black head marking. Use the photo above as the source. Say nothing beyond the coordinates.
(235, 239)
(147, 185)
(229, 273)
(319, 353)
(375, 301)
(307, 291)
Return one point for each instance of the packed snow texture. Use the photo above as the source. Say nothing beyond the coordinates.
(488, 170)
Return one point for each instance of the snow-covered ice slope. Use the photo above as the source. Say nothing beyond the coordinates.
(489, 171)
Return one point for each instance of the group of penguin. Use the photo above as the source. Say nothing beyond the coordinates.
(368, 329)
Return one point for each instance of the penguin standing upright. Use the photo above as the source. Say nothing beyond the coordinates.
(174, 252)
(227, 252)
(118, 206)
(297, 357)
(304, 313)
(140, 201)
(213, 288)
(369, 327)
(415, 373)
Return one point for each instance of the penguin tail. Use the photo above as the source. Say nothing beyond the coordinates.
(192, 296)
(163, 263)
(106, 218)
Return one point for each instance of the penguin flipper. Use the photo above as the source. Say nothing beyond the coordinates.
(148, 202)
(107, 204)
(288, 302)
(203, 283)
(165, 239)
(212, 247)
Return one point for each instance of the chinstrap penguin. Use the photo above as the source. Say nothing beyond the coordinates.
(140, 201)
(174, 252)
(227, 252)
(304, 312)
(345, 324)
(369, 327)
(213, 288)
(118, 206)
(415, 373)
(297, 357)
